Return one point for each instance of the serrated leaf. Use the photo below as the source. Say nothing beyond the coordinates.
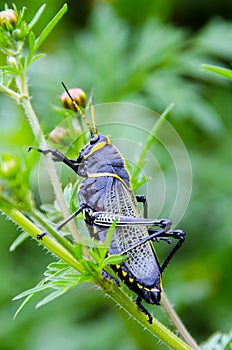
(50, 27)
(19, 240)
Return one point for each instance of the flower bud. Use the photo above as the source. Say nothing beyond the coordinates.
(58, 134)
(12, 61)
(18, 34)
(8, 168)
(8, 16)
(78, 95)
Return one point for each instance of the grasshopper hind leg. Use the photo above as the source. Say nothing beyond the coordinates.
(143, 199)
(143, 309)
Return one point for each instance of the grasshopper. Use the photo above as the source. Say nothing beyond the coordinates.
(106, 195)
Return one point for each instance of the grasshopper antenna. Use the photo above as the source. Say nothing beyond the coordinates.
(80, 111)
(93, 114)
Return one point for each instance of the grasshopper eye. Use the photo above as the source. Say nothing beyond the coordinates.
(94, 139)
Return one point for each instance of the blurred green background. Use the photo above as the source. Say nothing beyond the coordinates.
(147, 53)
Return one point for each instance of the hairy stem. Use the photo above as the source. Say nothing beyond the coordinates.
(22, 85)
(157, 329)
(54, 247)
(178, 323)
(117, 294)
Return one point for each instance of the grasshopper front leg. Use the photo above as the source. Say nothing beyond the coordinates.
(57, 156)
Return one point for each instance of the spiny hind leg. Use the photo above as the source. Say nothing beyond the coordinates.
(143, 199)
(180, 236)
(143, 309)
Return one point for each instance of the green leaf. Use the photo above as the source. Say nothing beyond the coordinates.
(31, 41)
(103, 251)
(50, 27)
(55, 272)
(62, 284)
(9, 69)
(79, 251)
(52, 296)
(141, 161)
(19, 240)
(36, 17)
(23, 305)
(110, 233)
(94, 255)
(22, 61)
(36, 57)
(57, 265)
(223, 72)
(115, 259)
(32, 291)
(218, 341)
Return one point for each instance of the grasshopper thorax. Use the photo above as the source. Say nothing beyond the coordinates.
(91, 155)
(94, 157)
(99, 159)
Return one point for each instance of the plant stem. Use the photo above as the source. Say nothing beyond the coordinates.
(156, 328)
(59, 238)
(177, 322)
(22, 85)
(117, 294)
(54, 247)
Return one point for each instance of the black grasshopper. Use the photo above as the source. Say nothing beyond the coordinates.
(106, 195)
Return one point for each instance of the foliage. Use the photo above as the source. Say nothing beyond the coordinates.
(218, 341)
(79, 264)
(160, 71)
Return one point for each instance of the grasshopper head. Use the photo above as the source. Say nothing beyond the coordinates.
(94, 155)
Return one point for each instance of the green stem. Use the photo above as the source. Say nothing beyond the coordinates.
(156, 328)
(9, 92)
(182, 330)
(22, 85)
(62, 241)
(165, 302)
(117, 294)
(54, 247)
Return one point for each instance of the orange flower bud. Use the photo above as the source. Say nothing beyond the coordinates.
(58, 134)
(8, 16)
(78, 95)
